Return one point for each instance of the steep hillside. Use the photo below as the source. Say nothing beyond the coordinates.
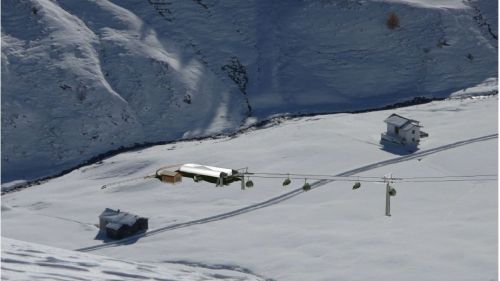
(80, 78)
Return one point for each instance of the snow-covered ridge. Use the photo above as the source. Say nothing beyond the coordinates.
(30, 261)
(80, 78)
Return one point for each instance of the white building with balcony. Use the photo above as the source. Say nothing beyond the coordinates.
(403, 131)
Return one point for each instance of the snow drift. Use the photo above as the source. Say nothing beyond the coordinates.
(30, 261)
(80, 78)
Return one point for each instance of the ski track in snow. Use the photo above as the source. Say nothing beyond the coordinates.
(286, 196)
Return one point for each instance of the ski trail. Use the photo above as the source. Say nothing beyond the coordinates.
(286, 196)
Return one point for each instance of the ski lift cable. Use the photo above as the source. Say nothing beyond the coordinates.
(383, 181)
(314, 178)
(439, 177)
(451, 180)
(368, 177)
(125, 181)
(310, 175)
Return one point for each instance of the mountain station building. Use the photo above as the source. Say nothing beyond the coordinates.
(403, 131)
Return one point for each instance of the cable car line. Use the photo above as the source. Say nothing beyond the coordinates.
(402, 180)
(360, 178)
(457, 180)
(381, 179)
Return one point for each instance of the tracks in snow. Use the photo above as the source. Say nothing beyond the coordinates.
(286, 196)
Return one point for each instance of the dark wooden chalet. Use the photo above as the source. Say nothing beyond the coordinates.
(118, 225)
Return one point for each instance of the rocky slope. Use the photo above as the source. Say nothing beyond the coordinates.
(80, 78)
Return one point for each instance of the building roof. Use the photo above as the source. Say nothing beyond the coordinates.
(170, 170)
(408, 126)
(114, 225)
(401, 122)
(116, 218)
(167, 173)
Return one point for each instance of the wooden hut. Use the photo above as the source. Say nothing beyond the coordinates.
(172, 177)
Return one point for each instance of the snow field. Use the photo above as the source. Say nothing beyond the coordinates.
(445, 231)
(30, 261)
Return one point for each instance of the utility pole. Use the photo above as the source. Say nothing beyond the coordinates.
(243, 186)
(387, 200)
(389, 191)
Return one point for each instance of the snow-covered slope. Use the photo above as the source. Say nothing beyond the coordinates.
(30, 261)
(439, 230)
(80, 78)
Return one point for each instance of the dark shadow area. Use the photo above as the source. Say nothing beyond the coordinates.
(397, 149)
(101, 236)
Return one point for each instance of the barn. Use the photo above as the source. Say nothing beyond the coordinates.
(118, 225)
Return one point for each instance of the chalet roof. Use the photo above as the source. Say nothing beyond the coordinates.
(114, 225)
(409, 125)
(401, 122)
(116, 218)
(170, 170)
(167, 173)
(108, 212)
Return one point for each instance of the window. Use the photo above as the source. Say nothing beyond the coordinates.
(396, 129)
(413, 139)
(413, 132)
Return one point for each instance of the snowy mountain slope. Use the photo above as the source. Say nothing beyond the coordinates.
(438, 230)
(80, 78)
(30, 261)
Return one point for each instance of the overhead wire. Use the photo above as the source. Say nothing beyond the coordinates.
(464, 176)
(317, 178)
(437, 179)
(309, 175)
(452, 180)
(365, 178)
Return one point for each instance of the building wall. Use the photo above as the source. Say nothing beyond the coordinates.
(102, 224)
(391, 129)
(412, 135)
(171, 179)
